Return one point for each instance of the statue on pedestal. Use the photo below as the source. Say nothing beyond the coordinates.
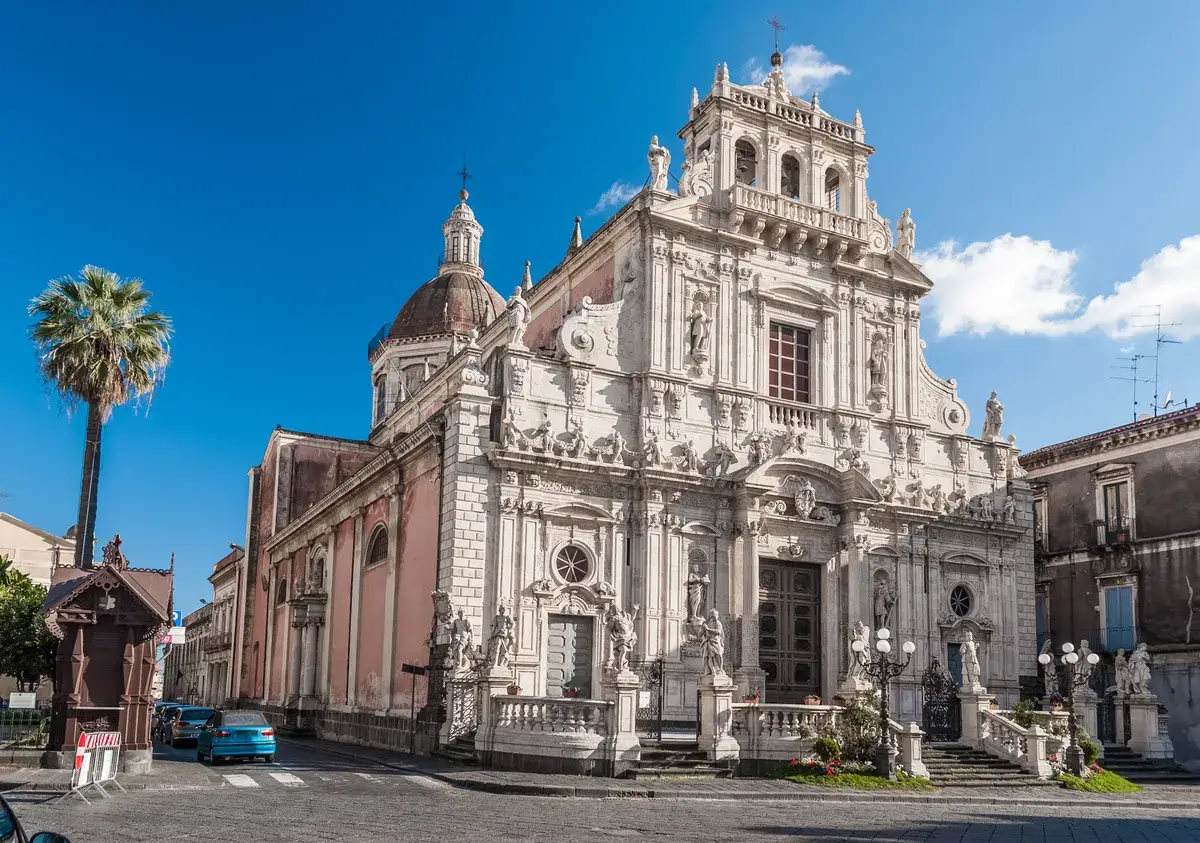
(1139, 672)
(712, 645)
(906, 234)
(659, 158)
(1124, 678)
(501, 640)
(970, 662)
(622, 636)
(994, 418)
(696, 584)
(518, 319)
(461, 641)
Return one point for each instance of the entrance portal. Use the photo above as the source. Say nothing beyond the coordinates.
(569, 655)
(789, 631)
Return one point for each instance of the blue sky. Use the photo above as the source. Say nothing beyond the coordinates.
(278, 173)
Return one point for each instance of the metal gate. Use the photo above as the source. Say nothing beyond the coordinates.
(941, 714)
(1106, 720)
(650, 699)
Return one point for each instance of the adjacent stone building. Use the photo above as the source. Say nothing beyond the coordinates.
(1117, 541)
(184, 678)
(717, 402)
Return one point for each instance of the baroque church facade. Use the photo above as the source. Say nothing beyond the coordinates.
(718, 402)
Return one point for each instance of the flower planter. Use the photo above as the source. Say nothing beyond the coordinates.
(751, 700)
(571, 693)
(514, 690)
(812, 700)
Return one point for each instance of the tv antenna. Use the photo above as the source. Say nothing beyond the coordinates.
(1132, 377)
(4, 496)
(1159, 341)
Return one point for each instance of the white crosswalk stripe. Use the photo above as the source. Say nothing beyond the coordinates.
(307, 778)
(240, 780)
(288, 779)
(426, 781)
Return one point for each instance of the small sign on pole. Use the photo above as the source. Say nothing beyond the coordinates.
(177, 618)
(177, 635)
(413, 670)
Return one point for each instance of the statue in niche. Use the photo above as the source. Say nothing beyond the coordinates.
(885, 598)
(501, 640)
(906, 234)
(1139, 672)
(691, 459)
(1009, 512)
(701, 329)
(659, 158)
(712, 644)
(462, 639)
(994, 412)
(697, 584)
(862, 633)
(518, 319)
(970, 662)
(652, 451)
(877, 365)
(622, 636)
(806, 499)
(724, 459)
(1124, 677)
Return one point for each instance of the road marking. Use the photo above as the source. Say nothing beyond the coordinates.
(287, 779)
(240, 780)
(426, 781)
(368, 777)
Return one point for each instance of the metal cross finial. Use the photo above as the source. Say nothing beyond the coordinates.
(778, 27)
(463, 174)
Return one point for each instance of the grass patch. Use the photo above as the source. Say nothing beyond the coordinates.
(1105, 782)
(855, 781)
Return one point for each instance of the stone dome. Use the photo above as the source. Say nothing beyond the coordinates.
(452, 303)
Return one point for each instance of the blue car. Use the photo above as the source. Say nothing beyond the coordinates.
(236, 734)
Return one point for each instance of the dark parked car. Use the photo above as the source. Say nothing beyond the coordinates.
(161, 728)
(186, 726)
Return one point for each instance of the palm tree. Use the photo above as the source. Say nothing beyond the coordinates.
(98, 344)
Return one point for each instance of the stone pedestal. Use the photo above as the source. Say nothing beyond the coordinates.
(716, 718)
(1119, 703)
(495, 684)
(852, 686)
(973, 702)
(462, 706)
(1145, 736)
(624, 749)
(1087, 716)
(910, 751)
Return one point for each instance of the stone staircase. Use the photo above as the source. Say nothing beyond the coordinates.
(954, 765)
(461, 750)
(676, 760)
(1127, 764)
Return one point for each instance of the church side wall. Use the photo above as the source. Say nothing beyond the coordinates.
(371, 629)
(338, 623)
(416, 579)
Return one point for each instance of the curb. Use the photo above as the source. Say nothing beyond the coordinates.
(585, 791)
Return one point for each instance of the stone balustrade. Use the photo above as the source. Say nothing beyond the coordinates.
(782, 414)
(1003, 738)
(793, 213)
(769, 735)
(546, 714)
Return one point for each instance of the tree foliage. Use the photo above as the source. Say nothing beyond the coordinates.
(27, 649)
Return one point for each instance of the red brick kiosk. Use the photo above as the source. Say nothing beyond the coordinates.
(107, 620)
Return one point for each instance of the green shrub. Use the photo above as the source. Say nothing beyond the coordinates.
(1022, 714)
(827, 749)
(858, 728)
(1091, 752)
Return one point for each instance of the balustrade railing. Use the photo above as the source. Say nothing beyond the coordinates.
(757, 200)
(1005, 739)
(803, 116)
(546, 714)
(780, 413)
(757, 721)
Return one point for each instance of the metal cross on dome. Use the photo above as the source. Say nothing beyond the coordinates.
(463, 174)
(778, 27)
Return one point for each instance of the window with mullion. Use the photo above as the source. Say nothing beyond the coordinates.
(1116, 508)
(788, 363)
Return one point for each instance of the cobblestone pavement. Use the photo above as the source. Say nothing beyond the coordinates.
(315, 796)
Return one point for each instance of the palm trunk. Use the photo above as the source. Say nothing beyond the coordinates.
(85, 526)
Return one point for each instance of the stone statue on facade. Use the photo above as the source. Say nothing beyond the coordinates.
(652, 451)
(545, 436)
(760, 448)
(1124, 676)
(986, 512)
(1139, 672)
(994, 418)
(578, 446)
(887, 488)
(937, 499)
(513, 435)
(501, 639)
(1082, 667)
(697, 583)
(701, 329)
(617, 448)
(1009, 512)
(725, 457)
(518, 319)
(918, 497)
(462, 640)
(906, 234)
(1049, 674)
(855, 672)
(712, 644)
(691, 459)
(659, 158)
(970, 662)
(877, 365)
(806, 498)
(622, 636)
(885, 598)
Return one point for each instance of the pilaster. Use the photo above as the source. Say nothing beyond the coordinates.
(395, 506)
(356, 559)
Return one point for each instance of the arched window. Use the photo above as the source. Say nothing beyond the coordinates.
(572, 564)
(380, 397)
(833, 190)
(281, 592)
(377, 551)
(318, 570)
(745, 164)
(789, 177)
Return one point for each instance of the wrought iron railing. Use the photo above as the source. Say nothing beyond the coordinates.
(23, 727)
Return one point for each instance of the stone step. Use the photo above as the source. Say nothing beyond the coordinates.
(679, 763)
(661, 757)
(951, 772)
(1027, 781)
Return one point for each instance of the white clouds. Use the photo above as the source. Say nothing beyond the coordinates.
(1023, 286)
(617, 195)
(805, 69)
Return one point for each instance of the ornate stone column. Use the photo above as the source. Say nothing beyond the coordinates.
(295, 645)
(308, 679)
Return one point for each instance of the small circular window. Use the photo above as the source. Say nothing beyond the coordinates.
(960, 601)
(572, 564)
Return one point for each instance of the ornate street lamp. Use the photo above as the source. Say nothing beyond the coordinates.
(882, 669)
(1076, 678)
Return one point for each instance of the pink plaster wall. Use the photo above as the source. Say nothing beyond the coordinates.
(416, 579)
(598, 284)
(260, 602)
(371, 630)
(337, 624)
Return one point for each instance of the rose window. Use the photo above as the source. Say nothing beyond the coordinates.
(960, 601)
(572, 564)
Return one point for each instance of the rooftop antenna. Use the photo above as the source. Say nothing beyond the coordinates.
(1168, 403)
(1133, 378)
(4, 496)
(1159, 341)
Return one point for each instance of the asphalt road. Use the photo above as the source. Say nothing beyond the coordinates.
(309, 795)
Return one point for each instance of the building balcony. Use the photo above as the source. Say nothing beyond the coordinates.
(218, 641)
(774, 218)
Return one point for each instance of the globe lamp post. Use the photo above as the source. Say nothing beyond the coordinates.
(1076, 678)
(881, 668)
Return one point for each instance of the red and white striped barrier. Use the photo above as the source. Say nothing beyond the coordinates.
(96, 760)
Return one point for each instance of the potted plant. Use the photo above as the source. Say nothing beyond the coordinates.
(514, 689)
(571, 692)
(1056, 703)
(752, 698)
(812, 699)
